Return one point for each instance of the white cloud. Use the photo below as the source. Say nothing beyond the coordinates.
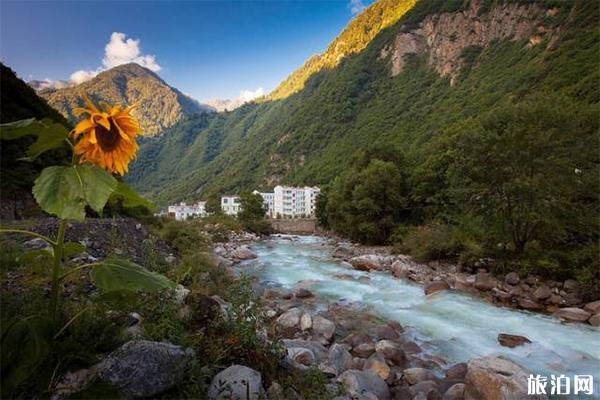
(356, 6)
(123, 50)
(119, 50)
(249, 95)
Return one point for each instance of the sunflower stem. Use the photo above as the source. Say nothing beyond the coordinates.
(58, 251)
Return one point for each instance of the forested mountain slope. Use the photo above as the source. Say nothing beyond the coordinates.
(411, 88)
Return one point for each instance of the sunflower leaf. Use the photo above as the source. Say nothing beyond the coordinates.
(122, 275)
(65, 191)
(71, 249)
(98, 185)
(25, 346)
(59, 191)
(50, 135)
(130, 198)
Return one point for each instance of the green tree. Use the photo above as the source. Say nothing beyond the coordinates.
(528, 167)
(367, 204)
(213, 204)
(321, 208)
(252, 213)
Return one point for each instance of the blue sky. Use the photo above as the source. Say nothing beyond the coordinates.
(208, 49)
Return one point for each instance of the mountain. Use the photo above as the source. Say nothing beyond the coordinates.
(221, 105)
(159, 106)
(19, 101)
(441, 64)
(353, 39)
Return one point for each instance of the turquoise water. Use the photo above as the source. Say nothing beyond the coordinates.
(458, 326)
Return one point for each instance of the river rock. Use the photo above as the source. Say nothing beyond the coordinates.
(303, 293)
(305, 322)
(528, 304)
(484, 281)
(323, 327)
(428, 390)
(501, 294)
(573, 314)
(289, 321)
(410, 348)
(496, 377)
(455, 392)
(364, 350)
(512, 341)
(377, 364)
(367, 262)
(143, 368)
(237, 382)
(593, 307)
(391, 351)
(243, 253)
(542, 293)
(415, 375)
(317, 348)
(391, 331)
(362, 383)
(301, 355)
(435, 286)
(340, 358)
(354, 339)
(512, 278)
(457, 371)
(595, 320)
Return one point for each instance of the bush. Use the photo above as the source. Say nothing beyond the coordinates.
(437, 242)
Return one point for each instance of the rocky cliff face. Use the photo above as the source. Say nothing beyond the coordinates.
(159, 106)
(445, 37)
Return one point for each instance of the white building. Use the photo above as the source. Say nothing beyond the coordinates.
(230, 204)
(182, 211)
(291, 202)
(268, 202)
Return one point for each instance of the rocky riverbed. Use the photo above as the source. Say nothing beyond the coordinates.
(366, 355)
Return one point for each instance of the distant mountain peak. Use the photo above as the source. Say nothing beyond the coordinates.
(160, 106)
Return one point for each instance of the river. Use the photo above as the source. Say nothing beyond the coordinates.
(454, 325)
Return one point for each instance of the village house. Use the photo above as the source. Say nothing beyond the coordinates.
(291, 202)
(183, 211)
(230, 204)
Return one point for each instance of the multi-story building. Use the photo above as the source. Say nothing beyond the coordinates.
(230, 204)
(268, 202)
(183, 211)
(291, 202)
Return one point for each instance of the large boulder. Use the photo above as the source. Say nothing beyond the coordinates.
(542, 293)
(415, 375)
(484, 281)
(301, 356)
(368, 262)
(364, 383)
(340, 358)
(405, 267)
(435, 286)
(288, 322)
(243, 253)
(391, 351)
(237, 382)
(143, 368)
(323, 328)
(343, 252)
(573, 314)
(455, 392)
(593, 307)
(528, 304)
(377, 364)
(317, 348)
(496, 377)
(595, 320)
(364, 350)
(511, 341)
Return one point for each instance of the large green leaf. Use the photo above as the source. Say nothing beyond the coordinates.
(65, 191)
(50, 135)
(71, 249)
(122, 275)
(25, 345)
(98, 185)
(130, 198)
(59, 191)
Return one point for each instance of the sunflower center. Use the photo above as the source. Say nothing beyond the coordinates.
(108, 139)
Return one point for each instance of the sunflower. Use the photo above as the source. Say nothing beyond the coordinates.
(107, 136)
